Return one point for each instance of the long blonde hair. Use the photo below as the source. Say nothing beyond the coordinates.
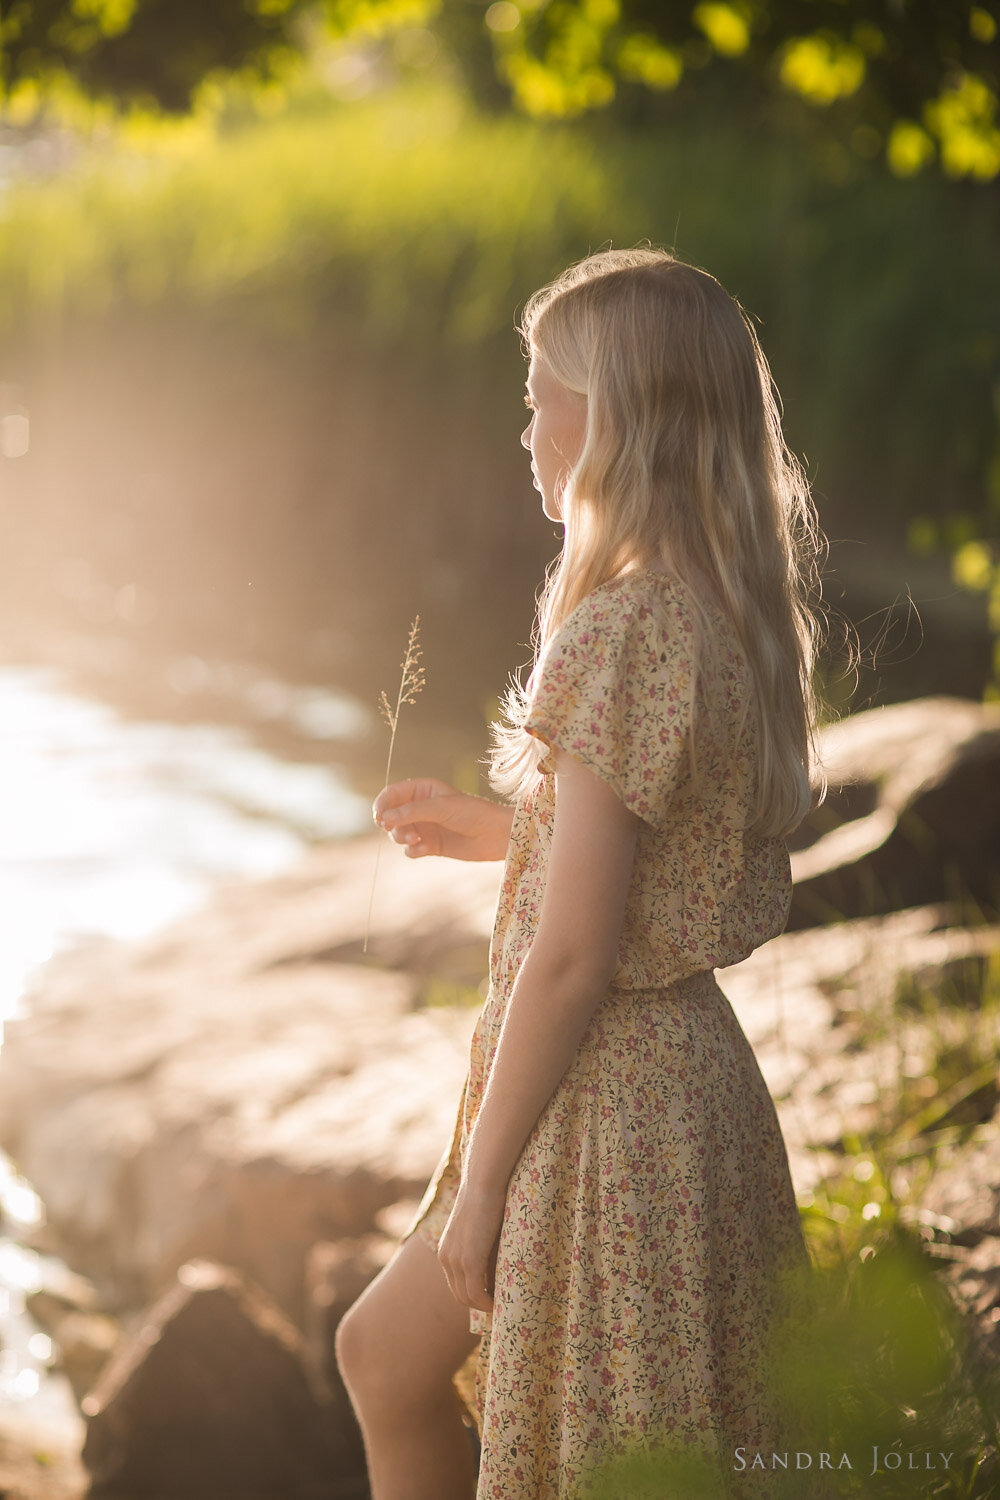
(683, 460)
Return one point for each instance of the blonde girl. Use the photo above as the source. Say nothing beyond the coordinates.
(608, 1230)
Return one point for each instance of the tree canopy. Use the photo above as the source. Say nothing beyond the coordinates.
(917, 78)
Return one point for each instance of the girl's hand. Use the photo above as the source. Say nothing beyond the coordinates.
(468, 1248)
(431, 817)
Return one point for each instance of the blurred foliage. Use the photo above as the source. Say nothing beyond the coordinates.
(976, 567)
(878, 1365)
(154, 51)
(396, 231)
(873, 295)
(896, 1361)
(879, 1356)
(975, 556)
(918, 81)
(382, 207)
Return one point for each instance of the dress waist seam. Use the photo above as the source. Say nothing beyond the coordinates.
(698, 975)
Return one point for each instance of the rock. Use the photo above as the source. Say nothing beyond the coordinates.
(959, 1211)
(65, 1305)
(336, 1275)
(913, 815)
(243, 1071)
(828, 1011)
(309, 1098)
(975, 1278)
(966, 1189)
(212, 1398)
(36, 1465)
(250, 1085)
(84, 1343)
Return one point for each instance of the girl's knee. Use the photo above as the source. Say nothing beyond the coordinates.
(387, 1374)
(366, 1348)
(402, 1341)
(354, 1343)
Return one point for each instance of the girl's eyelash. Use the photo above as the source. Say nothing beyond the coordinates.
(528, 403)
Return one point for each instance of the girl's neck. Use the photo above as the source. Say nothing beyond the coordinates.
(662, 569)
(649, 565)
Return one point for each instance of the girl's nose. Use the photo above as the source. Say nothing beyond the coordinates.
(526, 438)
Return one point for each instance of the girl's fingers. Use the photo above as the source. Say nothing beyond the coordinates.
(398, 794)
(414, 835)
(468, 1286)
(395, 817)
(476, 1294)
(414, 812)
(391, 797)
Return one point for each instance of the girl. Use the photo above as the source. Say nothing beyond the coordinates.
(613, 1219)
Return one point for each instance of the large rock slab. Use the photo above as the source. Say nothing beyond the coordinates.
(212, 1397)
(250, 1084)
(242, 1086)
(913, 814)
(826, 1011)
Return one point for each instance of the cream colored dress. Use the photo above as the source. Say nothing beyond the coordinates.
(651, 1212)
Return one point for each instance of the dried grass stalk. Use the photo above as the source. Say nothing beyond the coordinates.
(410, 683)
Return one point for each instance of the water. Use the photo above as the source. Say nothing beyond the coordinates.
(112, 827)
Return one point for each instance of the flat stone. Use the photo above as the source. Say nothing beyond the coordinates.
(211, 1397)
(820, 1008)
(919, 786)
(250, 1084)
(248, 1068)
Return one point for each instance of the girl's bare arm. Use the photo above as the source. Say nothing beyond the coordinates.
(430, 817)
(558, 987)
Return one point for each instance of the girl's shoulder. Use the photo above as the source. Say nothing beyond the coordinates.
(647, 586)
(643, 595)
(650, 621)
(637, 618)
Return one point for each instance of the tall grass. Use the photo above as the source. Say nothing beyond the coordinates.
(886, 1365)
(430, 224)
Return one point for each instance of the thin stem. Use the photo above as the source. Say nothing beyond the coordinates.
(378, 851)
(411, 680)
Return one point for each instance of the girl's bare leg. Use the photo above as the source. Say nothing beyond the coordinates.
(398, 1348)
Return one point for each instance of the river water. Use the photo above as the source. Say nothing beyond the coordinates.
(112, 825)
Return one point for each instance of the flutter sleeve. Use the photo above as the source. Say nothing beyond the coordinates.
(615, 690)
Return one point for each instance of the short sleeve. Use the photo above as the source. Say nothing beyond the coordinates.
(615, 690)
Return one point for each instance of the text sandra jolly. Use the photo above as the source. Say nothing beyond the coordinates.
(745, 1459)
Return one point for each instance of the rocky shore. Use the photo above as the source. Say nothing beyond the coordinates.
(230, 1123)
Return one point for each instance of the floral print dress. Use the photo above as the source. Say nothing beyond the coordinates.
(650, 1214)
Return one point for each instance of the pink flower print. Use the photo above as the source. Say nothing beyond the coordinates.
(615, 688)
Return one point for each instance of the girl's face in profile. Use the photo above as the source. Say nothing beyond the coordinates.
(554, 436)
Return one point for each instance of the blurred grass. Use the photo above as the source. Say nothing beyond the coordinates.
(429, 224)
(884, 1358)
(426, 214)
(893, 1361)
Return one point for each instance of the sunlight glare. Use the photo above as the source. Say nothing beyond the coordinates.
(112, 828)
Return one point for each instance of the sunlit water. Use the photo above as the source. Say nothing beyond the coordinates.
(112, 828)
